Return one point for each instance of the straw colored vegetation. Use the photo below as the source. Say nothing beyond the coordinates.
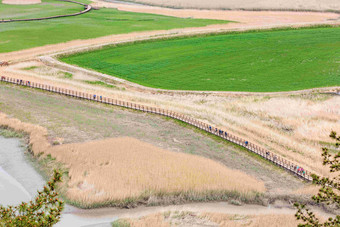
(295, 125)
(247, 4)
(186, 218)
(118, 170)
(252, 220)
(257, 61)
(70, 120)
(126, 171)
(96, 23)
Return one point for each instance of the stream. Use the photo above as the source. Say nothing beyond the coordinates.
(19, 181)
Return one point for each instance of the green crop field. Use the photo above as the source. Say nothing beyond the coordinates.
(22, 35)
(266, 61)
(47, 8)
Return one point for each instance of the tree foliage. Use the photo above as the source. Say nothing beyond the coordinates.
(329, 192)
(44, 210)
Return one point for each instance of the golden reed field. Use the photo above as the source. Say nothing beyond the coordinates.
(118, 169)
(121, 168)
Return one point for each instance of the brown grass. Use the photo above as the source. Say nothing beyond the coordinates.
(309, 190)
(277, 220)
(126, 168)
(295, 126)
(121, 170)
(212, 219)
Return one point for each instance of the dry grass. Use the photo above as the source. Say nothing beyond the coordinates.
(123, 170)
(185, 218)
(120, 169)
(268, 220)
(247, 4)
(295, 126)
(307, 190)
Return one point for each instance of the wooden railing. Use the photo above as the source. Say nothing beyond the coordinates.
(264, 153)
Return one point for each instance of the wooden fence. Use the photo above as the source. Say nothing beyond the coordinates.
(266, 154)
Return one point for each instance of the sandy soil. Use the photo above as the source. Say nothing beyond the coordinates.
(21, 2)
(248, 4)
(254, 18)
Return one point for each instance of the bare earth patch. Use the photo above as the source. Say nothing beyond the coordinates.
(248, 4)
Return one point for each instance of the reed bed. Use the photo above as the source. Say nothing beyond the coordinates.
(114, 171)
(125, 171)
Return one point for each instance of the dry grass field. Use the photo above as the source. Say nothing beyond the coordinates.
(248, 4)
(184, 218)
(121, 169)
(294, 125)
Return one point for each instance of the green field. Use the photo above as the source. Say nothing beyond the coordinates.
(47, 8)
(96, 23)
(266, 61)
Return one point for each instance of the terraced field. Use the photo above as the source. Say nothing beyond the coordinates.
(266, 61)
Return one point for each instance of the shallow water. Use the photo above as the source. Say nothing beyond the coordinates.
(19, 181)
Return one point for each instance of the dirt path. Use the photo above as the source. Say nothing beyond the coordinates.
(214, 207)
(244, 4)
(254, 18)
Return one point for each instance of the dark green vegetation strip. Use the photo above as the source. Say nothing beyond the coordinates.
(266, 61)
(96, 23)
